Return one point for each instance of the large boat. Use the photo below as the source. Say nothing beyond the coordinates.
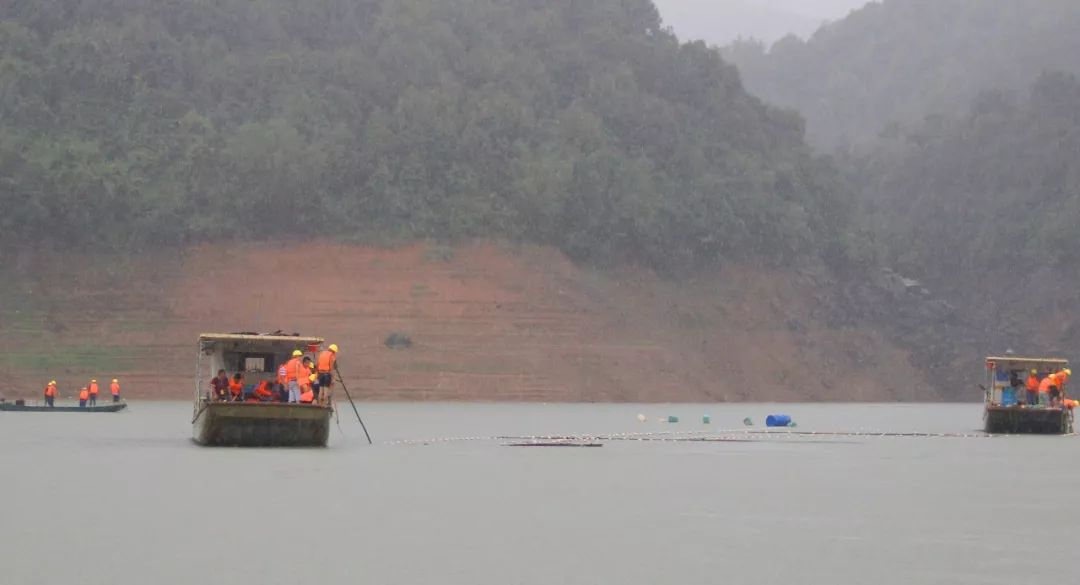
(252, 423)
(20, 406)
(1008, 409)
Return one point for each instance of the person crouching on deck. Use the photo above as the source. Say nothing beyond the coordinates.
(84, 395)
(263, 392)
(50, 393)
(219, 386)
(305, 374)
(1058, 389)
(236, 387)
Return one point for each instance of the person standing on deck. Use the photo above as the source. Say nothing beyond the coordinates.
(282, 382)
(1032, 385)
(115, 389)
(292, 371)
(93, 392)
(50, 393)
(325, 365)
(84, 395)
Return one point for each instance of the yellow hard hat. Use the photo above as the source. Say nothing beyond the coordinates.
(1067, 372)
(312, 377)
(333, 347)
(1034, 371)
(297, 353)
(115, 380)
(93, 381)
(53, 382)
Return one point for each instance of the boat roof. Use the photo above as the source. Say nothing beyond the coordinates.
(254, 340)
(1029, 360)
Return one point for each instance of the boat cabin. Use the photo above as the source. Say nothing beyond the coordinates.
(1009, 406)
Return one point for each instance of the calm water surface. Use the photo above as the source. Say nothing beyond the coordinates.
(128, 499)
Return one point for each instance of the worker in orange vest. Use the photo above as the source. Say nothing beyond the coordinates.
(1045, 386)
(307, 396)
(292, 373)
(50, 393)
(325, 366)
(305, 375)
(93, 392)
(115, 389)
(236, 387)
(1032, 385)
(263, 392)
(84, 395)
(1057, 391)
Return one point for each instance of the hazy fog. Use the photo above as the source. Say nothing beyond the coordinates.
(721, 21)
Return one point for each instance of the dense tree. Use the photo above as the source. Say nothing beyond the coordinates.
(956, 198)
(898, 61)
(583, 125)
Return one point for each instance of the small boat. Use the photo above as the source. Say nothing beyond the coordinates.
(1006, 407)
(254, 424)
(17, 407)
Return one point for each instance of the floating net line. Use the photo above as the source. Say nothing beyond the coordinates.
(705, 436)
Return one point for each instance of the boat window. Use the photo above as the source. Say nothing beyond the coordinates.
(254, 364)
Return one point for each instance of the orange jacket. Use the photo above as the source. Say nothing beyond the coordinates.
(326, 362)
(93, 388)
(307, 397)
(50, 390)
(303, 375)
(115, 388)
(237, 388)
(1032, 383)
(292, 368)
(84, 394)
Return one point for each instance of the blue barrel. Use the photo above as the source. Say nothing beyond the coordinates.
(777, 420)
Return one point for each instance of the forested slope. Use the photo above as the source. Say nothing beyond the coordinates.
(996, 189)
(582, 125)
(899, 61)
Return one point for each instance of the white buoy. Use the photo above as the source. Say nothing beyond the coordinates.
(641, 418)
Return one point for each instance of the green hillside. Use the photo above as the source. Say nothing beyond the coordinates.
(578, 124)
(899, 61)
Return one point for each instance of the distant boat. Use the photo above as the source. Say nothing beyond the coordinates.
(16, 407)
(254, 424)
(1004, 409)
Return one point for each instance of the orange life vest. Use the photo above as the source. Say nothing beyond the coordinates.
(115, 387)
(50, 390)
(303, 375)
(237, 388)
(93, 388)
(292, 368)
(84, 394)
(283, 373)
(307, 397)
(326, 361)
(1032, 383)
(263, 389)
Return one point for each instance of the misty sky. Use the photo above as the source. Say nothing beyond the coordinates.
(721, 21)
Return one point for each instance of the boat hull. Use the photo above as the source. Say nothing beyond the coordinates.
(1017, 419)
(111, 407)
(261, 424)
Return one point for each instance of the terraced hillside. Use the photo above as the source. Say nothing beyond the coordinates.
(487, 322)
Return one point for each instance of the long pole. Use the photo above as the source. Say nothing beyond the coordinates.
(343, 387)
